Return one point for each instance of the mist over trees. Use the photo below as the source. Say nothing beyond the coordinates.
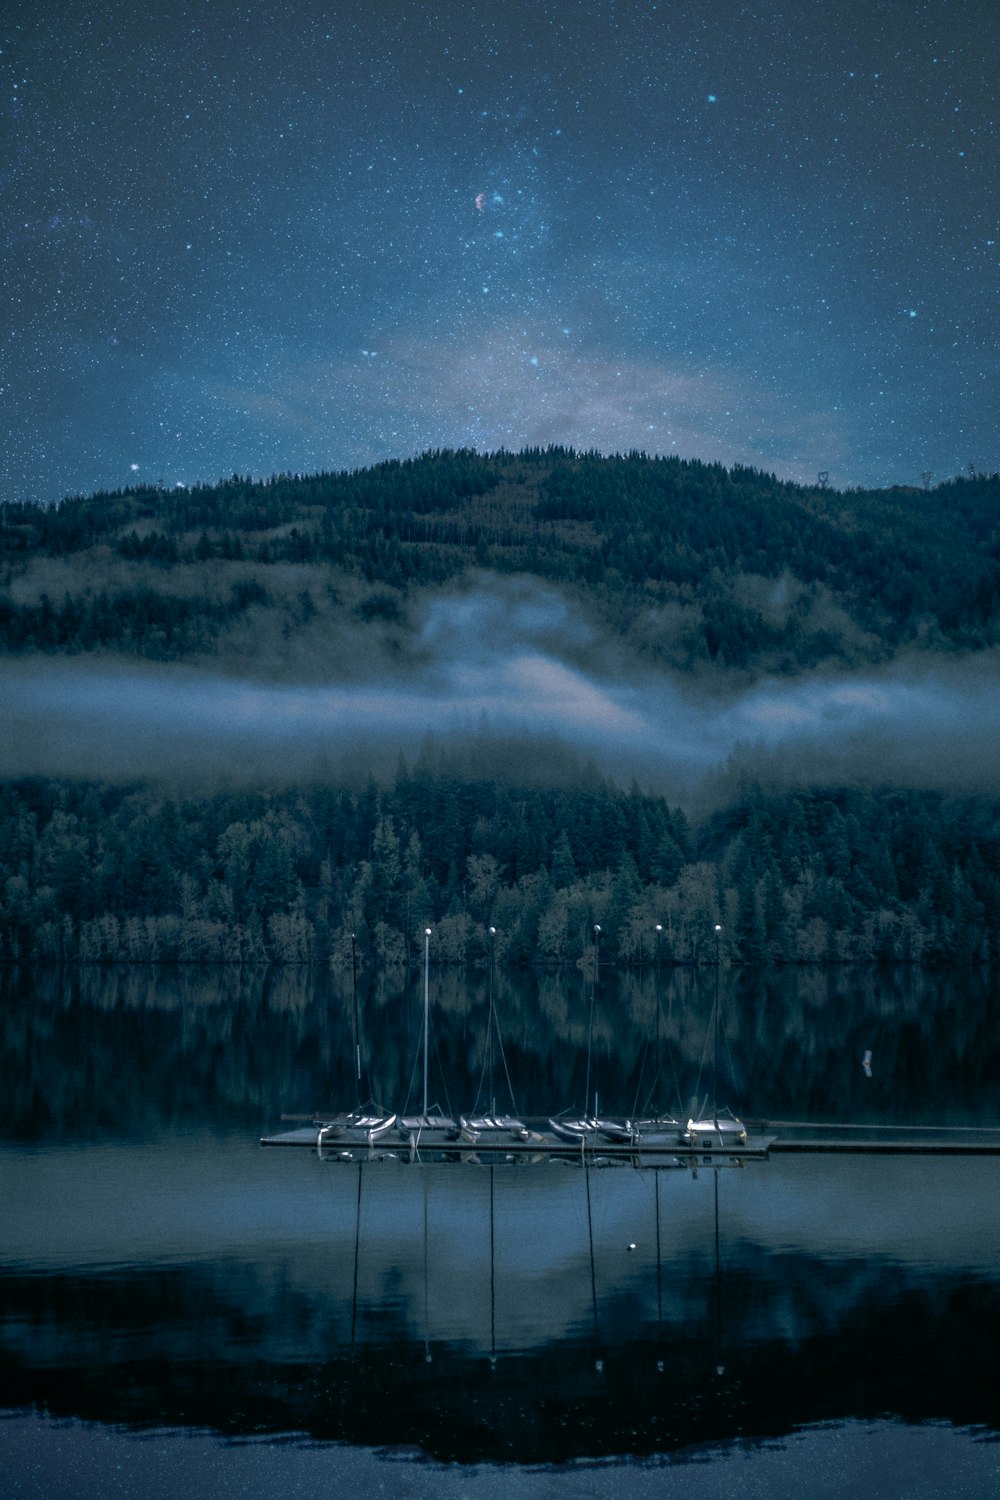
(720, 575)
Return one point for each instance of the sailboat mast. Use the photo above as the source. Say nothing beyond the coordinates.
(492, 1026)
(590, 1024)
(715, 1055)
(427, 990)
(357, 1028)
(654, 1093)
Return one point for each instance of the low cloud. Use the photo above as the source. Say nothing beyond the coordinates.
(507, 662)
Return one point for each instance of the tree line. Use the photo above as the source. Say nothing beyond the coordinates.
(101, 872)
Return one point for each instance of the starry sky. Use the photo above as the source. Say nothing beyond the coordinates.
(264, 238)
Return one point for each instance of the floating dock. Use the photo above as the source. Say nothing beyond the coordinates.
(536, 1141)
(528, 1140)
(804, 1137)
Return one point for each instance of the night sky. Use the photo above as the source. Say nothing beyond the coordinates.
(262, 238)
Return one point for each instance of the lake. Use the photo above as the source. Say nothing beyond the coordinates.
(183, 1310)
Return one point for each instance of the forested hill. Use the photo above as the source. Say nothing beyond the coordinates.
(659, 576)
(700, 567)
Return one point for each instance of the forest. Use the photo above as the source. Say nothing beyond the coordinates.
(717, 575)
(107, 873)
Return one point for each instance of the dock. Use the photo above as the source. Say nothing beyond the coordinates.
(803, 1137)
(535, 1141)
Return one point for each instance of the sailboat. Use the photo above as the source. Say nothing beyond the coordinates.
(359, 1125)
(490, 1128)
(430, 1126)
(721, 1127)
(587, 1128)
(644, 1138)
(363, 1125)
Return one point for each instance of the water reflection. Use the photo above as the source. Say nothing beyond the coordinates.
(158, 1268)
(207, 1284)
(138, 1049)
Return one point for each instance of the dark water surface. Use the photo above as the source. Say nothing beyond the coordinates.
(184, 1311)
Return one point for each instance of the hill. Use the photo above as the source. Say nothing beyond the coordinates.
(267, 618)
(697, 567)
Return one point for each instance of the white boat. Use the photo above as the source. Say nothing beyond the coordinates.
(589, 1127)
(492, 1130)
(658, 1130)
(577, 1130)
(716, 1130)
(620, 1132)
(367, 1126)
(428, 1128)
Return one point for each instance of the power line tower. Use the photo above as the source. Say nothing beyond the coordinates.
(927, 476)
(823, 479)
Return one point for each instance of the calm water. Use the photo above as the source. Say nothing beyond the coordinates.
(183, 1310)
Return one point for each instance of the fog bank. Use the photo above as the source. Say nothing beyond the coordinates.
(930, 722)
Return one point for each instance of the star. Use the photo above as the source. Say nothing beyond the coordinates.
(684, 260)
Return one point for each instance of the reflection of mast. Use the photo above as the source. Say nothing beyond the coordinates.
(427, 1312)
(720, 1368)
(659, 1276)
(598, 1362)
(493, 1285)
(357, 1243)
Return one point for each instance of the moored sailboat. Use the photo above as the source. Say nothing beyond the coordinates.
(717, 1128)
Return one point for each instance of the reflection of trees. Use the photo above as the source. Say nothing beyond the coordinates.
(92, 1048)
(243, 1349)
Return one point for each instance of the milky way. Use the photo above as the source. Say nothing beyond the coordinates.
(266, 239)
